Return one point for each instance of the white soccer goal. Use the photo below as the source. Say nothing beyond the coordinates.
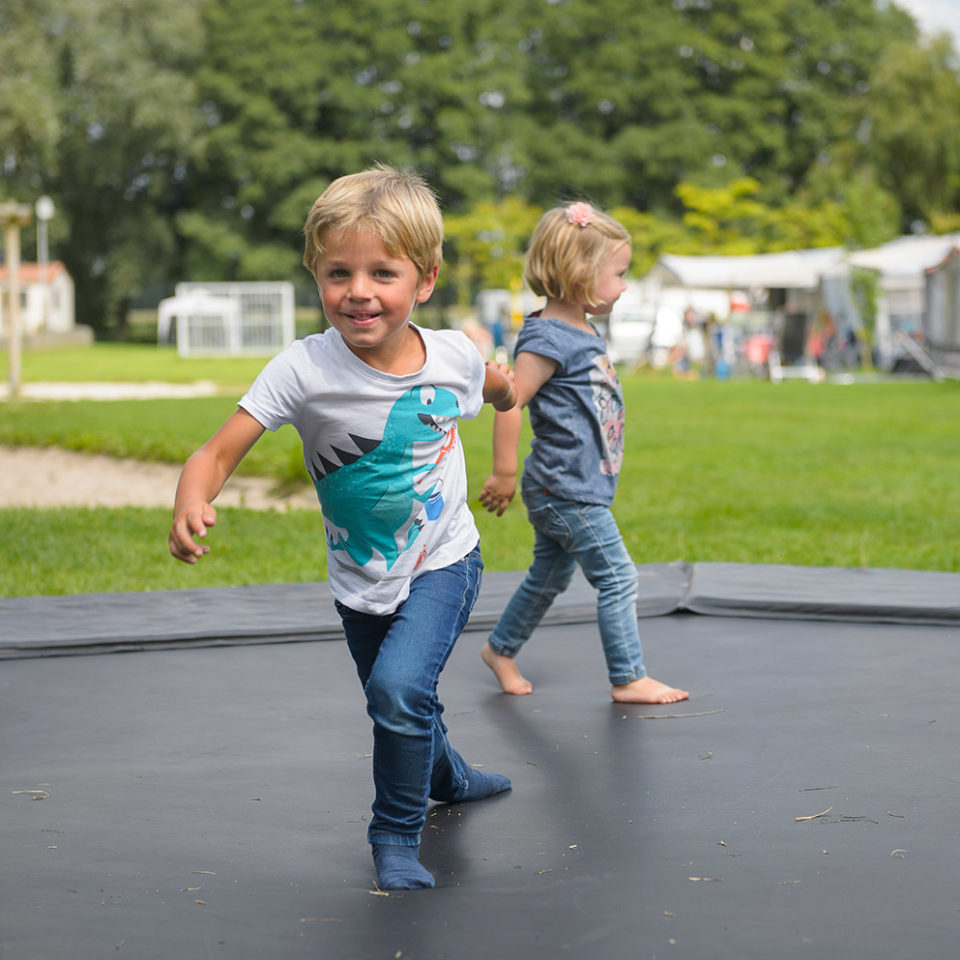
(228, 319)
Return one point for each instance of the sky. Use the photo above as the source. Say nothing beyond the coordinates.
(935, 15)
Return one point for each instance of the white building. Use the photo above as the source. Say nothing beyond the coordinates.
(901, 267)
(941, 315)
(45, 307)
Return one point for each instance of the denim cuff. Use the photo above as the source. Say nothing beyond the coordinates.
(393, 839)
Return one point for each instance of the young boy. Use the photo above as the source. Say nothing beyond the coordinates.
(375, 400)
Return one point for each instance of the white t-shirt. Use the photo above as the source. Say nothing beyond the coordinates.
(384, 454)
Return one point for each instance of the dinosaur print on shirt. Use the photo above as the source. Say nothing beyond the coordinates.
(374, 501)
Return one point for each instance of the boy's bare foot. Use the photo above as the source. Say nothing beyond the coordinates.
(505, 670)
(647, 690)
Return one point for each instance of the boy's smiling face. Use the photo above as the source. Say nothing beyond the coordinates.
(368, 296)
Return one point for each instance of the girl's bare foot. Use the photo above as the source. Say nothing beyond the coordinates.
(505, 670)
(647, 690)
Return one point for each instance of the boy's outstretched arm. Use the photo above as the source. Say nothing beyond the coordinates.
(498, 387)
(202, 478)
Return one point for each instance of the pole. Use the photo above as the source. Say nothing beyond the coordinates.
(44, 209)
(13, 216)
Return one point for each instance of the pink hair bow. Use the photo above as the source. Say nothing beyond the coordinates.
(580, 214)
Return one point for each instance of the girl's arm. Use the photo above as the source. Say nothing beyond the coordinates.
(501, 485)
(202, 478)
(531, 372)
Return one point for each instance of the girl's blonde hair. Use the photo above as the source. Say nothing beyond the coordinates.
(567, 250)
(396, 205)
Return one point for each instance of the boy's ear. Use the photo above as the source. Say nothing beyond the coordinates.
(427, 284)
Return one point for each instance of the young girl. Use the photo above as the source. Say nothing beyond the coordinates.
(375, 400)
(577, 260)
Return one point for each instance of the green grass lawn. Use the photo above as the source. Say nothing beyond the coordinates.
(741, 471)
(130, 363)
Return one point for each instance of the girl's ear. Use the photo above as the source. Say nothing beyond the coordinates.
(427, 284)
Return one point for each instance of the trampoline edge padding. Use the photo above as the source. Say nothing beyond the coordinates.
(825, 593)
(288, 613)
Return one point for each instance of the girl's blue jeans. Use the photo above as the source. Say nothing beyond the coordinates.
(567, 533)
(399, 658)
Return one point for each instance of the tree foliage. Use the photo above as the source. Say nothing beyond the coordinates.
(111, 78)
(188, 140)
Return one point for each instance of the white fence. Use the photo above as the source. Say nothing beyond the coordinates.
(228, 319)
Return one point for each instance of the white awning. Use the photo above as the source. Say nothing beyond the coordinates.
(906, 256)
(792, 269)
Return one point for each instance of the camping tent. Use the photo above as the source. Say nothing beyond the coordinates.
(789, 270)
(783, 287)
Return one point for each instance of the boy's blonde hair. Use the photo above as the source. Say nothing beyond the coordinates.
(567, 250)
(396, 205)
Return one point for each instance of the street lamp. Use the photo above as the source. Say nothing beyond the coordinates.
(45, 210)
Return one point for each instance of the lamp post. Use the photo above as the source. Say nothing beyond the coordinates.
(45, 210)
(13, 216)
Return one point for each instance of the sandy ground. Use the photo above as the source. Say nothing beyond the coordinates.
(51, 477)
(153, 389)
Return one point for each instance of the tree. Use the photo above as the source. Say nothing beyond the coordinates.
(254, 165)
(29, 120)
(487, 244)
(108, 80)
(296, 94)
(911, 131)
(189, 140)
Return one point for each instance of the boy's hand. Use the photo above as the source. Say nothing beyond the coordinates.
(498, 491)
(499, 388)
(192, 521)
(501, 366)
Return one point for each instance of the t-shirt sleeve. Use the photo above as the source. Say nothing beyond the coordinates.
(466, 358)
(276, 397)
(540, 339)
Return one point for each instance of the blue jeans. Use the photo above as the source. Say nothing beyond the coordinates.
(399, 658)
(567, 533)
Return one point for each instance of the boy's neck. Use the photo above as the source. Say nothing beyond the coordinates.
(567, 312)
(401, 356)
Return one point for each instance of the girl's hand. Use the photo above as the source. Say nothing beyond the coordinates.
(498, 491)
(192, 521)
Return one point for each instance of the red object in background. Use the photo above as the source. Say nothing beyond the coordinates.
(739, 302)
(758, 348)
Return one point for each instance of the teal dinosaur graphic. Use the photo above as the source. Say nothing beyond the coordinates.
(371, 494)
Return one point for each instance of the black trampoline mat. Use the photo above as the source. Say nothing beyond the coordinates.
(212, 802)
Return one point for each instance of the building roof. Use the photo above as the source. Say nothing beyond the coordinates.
(30, 272)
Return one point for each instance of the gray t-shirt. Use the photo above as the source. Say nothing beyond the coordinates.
(384, 454)
(577, 416)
